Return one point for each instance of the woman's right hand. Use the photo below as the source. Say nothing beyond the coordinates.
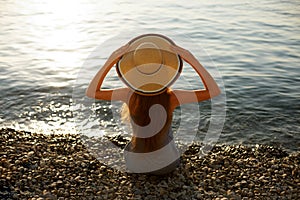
(187, 56)
(178, 49)
(188, 96)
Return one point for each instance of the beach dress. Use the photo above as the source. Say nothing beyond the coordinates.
(161, 161)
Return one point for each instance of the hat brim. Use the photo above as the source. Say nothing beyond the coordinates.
(164, 76)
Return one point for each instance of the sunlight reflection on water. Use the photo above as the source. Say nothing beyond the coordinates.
(255, 45)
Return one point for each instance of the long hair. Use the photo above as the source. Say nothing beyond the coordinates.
(136, 111)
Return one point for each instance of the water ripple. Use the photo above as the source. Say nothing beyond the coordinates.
(254, 44)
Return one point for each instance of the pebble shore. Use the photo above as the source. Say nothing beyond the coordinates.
(39, 166)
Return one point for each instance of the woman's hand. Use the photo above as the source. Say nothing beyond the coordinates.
(117, 54)
(186, 55)
(179, 50)
(121, 51)
(93, 89)
(188, 96)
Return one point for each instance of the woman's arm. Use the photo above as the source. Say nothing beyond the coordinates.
(189, 96)
(94, 89)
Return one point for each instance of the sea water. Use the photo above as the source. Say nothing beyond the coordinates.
(44, 45)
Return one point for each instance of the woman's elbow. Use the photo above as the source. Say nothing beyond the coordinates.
(89, 93)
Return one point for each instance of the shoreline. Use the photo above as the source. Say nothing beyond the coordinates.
(40, 166)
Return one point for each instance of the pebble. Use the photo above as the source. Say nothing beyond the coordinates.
(36, 166)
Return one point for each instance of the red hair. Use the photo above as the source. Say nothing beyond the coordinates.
(137, 111)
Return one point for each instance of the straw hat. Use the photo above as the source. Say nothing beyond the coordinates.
(149, 66)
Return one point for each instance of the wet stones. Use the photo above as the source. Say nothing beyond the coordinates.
(36, 166)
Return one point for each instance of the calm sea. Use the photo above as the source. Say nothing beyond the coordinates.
(46, 53)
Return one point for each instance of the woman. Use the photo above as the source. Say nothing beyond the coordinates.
(149, 65)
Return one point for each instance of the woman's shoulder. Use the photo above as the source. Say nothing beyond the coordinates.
(172, 98)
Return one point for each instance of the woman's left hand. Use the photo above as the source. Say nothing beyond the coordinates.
(120, 51)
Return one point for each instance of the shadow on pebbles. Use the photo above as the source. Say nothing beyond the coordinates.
(38, 166)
